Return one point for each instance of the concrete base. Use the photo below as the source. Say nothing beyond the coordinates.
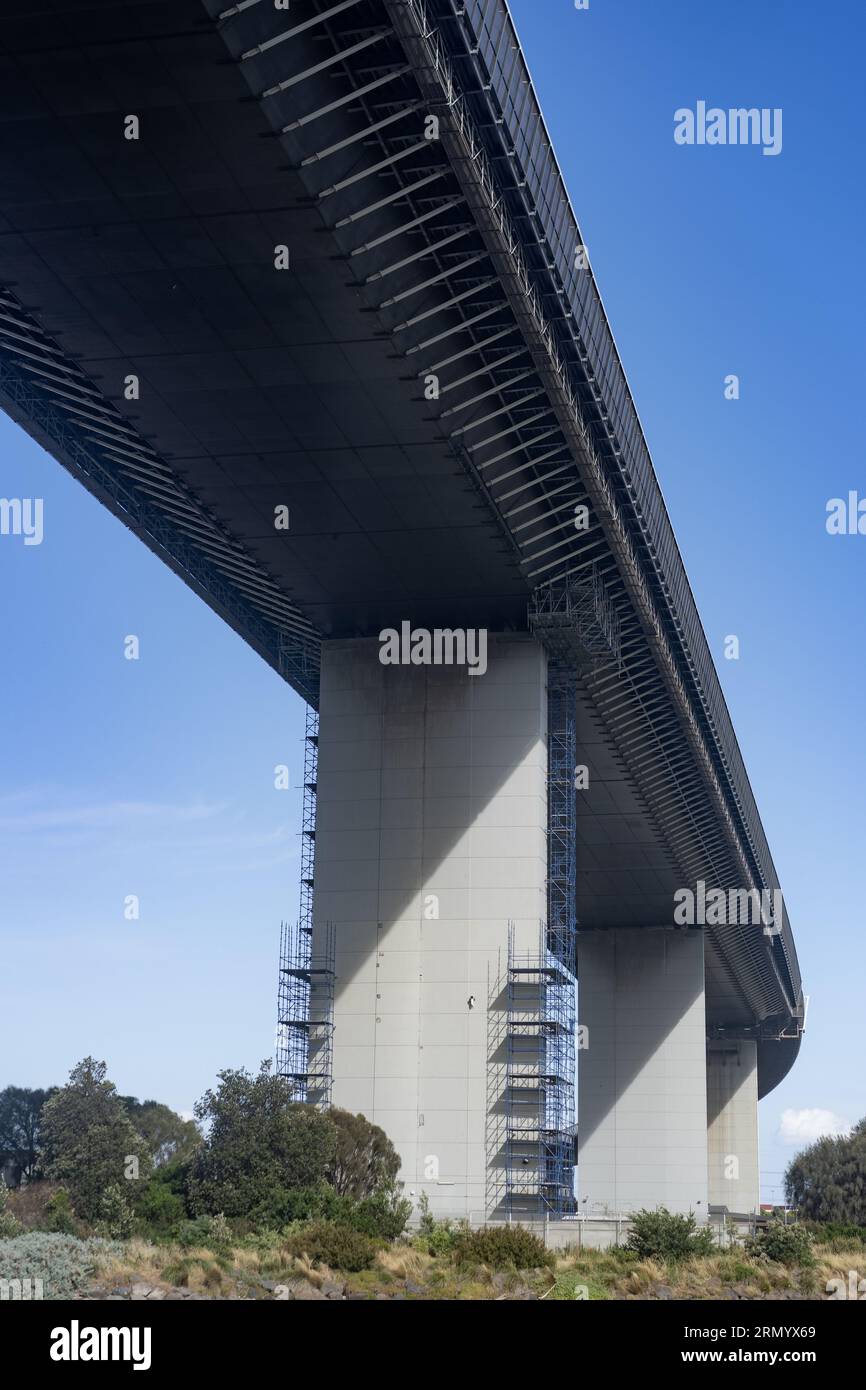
(642, 1098)
(430, 837)
(732, 1125)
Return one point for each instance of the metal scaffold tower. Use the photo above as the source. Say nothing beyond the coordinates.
(540, 1076)
(561, 814)
(305, 996)
(579, 628)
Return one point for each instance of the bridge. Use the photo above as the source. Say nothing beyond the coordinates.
(298, 293)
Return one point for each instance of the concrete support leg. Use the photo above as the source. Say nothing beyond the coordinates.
(430, 837)
(732, 1125)
(642, 1092)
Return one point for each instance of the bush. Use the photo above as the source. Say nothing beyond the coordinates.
(9, 1223)
(502, 1247)
(839, 1235)
(328, 1243)
(115, 1214)
(382, 1216)
(89, 1140)
(63, 1263)
(436, 1237)
(785, 1245)
(364, 1161)
(666, 1235)
(159, 1211)
(283, 1205)
(211, 1232)
(59, 1216)
(258, 1141)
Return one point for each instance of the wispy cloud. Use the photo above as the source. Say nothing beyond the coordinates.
(799, 1127)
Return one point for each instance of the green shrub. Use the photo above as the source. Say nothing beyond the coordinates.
(434, 1237)
(9, 1223)
(332, 1244)
(115, 1214)
(839, 1235)
(442, 1239)
(211, 1232)
(283, 1205)
(501, 1247)
(59, 1215)
(63, 1263)
(667, 1235)
(785, 1245)
(382, 1216)
(159, 1211)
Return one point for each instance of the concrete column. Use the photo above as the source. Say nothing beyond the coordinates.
(430, 837)
(732, 1125)
(642, 1091)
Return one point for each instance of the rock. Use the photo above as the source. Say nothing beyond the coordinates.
(332, 1290)
(306, 1292)
(414, 1288)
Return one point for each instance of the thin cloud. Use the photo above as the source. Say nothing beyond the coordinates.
(799, 1127)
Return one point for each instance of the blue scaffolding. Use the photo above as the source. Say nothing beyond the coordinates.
(305, 994)
(540, 1077)
(579, 627)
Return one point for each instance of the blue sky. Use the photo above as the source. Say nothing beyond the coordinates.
(155, 777)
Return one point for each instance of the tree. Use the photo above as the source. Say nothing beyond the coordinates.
(168, 1136)
(827, 1181)
(89, 1141)
(364, 1161)
(20, 1131)
(257, 1140)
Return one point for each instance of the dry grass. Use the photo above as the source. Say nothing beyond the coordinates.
(606, 1274)
(404, 1262)
(837, 1264)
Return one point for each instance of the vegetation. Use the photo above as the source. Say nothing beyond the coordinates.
(63, 1263)
(666, 1235)
(258, 1141)
(786, 1245)
(827, 1181)
(90, 1143)
(337, 1246)
(364, 1159)
(9, 1223)
(20, 1131)
(502, 1247)
(169, 1138)
(263, 1189)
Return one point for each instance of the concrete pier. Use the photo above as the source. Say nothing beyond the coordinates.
(430, 838)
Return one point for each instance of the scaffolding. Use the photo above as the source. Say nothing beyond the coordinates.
(305, 994)
(561, 815)
(539, 1084)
